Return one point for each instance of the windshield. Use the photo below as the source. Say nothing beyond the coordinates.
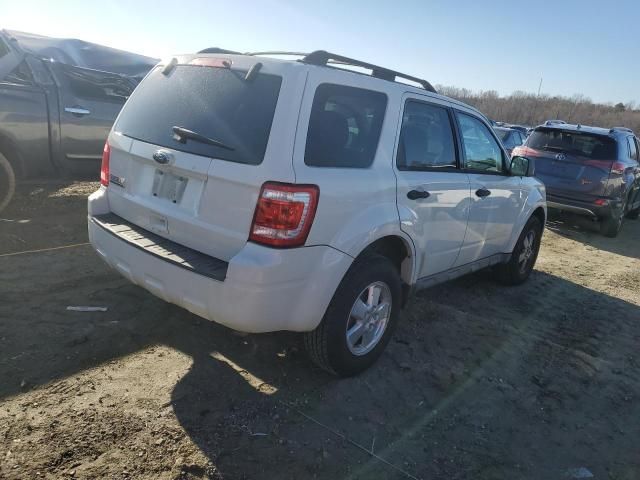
(586, 145)
(217, 103)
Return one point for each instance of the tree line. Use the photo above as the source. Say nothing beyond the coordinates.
(529, 109)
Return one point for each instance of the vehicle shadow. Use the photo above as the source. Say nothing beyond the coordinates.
(479, 380)
(585, 230)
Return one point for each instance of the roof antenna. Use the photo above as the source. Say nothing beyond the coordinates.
(253, 72)
(170, 66)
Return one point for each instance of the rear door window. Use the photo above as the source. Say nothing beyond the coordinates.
(21, 75)
(586, 145)
(217, 103)
(96, 85)
(426, 138)
(344, 126)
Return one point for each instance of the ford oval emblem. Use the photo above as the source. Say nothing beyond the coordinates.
(163, 157)
(561, 156)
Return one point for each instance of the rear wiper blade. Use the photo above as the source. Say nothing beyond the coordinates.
(182, 134)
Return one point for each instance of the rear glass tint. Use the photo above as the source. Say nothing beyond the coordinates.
(578, 144)
(344, 127)
(217, 103)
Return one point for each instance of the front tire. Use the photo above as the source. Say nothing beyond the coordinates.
(7, 182)
(524, 255)
(360, 319)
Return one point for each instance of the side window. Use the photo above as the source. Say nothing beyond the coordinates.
(426, 138)
(481, 150)
(4, 49)
(94, 85)
(510, 142)
(21, 75)
(633, 150)
(344, 126)
(518, 138)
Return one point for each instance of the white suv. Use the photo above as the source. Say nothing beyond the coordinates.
(268, 194)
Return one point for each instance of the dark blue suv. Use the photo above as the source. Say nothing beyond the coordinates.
(588, 170)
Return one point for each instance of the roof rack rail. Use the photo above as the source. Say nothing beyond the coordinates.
(620, 129)
(322, 57)
(219, 50)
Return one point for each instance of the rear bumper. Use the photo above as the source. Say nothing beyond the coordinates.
(579, 207)
(264, 289)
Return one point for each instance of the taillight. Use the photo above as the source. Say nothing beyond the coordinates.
(618, 167)
(104, 169)
(284, 214)
(601, 201)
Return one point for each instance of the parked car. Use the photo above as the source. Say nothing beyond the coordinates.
(522, 129)
(510, 138)
(58, 101)
(307, 197)
(588, 170)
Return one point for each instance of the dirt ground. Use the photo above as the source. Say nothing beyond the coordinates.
(481, 381)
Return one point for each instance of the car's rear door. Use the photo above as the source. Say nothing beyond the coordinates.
(89, 102)
(432, 191)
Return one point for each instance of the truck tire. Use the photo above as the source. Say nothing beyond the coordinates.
(7, 182)
(524, 255)
(360, 319)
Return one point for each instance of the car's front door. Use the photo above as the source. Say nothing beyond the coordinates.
(432, 191)
(497, 198)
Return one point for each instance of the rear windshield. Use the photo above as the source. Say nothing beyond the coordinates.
(587, 145)
(217, 103)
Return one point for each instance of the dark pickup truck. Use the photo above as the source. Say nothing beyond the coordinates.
(58, 101)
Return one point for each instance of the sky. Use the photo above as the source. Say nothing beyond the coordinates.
(583, 47)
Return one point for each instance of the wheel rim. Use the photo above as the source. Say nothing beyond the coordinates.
(528, 251)
(368, 318)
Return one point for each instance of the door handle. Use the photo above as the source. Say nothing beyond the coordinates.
(416, 194)
(483, 192)
(77, 111)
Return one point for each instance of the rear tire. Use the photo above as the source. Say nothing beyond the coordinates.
(611, 226)
(334, 345)
(635, 213)
(524, 255)
(7, 182)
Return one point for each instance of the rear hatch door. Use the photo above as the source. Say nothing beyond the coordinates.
(194, 144)
(572, 164)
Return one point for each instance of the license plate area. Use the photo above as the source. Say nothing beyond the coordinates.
(169, 186)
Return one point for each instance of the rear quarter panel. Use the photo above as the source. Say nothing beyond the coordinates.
(357, 205)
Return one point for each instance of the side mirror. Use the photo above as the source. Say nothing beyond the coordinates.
(522, 167)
